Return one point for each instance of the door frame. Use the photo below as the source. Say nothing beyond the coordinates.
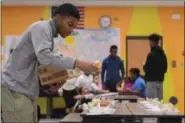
(136, 38)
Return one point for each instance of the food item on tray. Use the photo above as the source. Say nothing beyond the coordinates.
(105, 103)
(85, 107)
(96, 101)
(141, 99)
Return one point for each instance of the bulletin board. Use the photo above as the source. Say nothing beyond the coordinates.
(86, 44)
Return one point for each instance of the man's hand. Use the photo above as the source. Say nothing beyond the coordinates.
(88, 67)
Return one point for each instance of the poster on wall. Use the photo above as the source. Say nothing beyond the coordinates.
(89, 44)
(94, 44)
(65, 46)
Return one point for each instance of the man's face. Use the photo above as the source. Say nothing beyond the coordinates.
(132, 76)
(113, 52)
(66, 25)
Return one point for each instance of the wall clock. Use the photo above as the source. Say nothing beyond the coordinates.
(105, 21)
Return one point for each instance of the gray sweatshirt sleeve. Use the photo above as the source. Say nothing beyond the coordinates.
(43, 44)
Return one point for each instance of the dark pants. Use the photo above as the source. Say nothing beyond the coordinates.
(38, 112)
(69, 97)
(111, 86)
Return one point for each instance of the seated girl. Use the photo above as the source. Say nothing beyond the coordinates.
(95, 86)
(127, 84)
(87, 80)
(139, 87)
(82, 97)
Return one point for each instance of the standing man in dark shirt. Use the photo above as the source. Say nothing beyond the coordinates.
(111, 67)
(155, 68)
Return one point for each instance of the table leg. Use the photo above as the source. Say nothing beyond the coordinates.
(49, 107)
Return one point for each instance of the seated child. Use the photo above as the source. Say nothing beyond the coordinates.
(127, 84)
(95, 86)
(68, 91)
(139, 87)
(82, 97)
(87, 80)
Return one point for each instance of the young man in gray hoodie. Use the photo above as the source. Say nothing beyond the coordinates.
(20, 83)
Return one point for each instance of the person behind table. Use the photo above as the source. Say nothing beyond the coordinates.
(95, 85)
(81, 98)
(20, 82)
(72, 94)
(155, 68)
(127, 84)
(86, 80)
(68, 91)
(138, 88)
(110, 73)
(83, 94)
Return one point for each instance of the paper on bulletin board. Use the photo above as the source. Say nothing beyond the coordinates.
(89, 44)
(94, 44)
(65, 47)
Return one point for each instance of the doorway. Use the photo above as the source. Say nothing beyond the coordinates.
(137, 49)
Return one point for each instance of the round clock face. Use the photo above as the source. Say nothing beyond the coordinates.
(105, 21)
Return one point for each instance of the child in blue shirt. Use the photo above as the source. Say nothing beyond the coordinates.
(139, 87)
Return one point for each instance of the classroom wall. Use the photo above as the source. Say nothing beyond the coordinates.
(136, 21)
(142, 21)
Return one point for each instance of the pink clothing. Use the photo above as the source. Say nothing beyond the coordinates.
(128, 85)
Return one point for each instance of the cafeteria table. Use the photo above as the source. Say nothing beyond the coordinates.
(124, 112)
(116, 96)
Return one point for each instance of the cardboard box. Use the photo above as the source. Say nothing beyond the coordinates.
(49, 75)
